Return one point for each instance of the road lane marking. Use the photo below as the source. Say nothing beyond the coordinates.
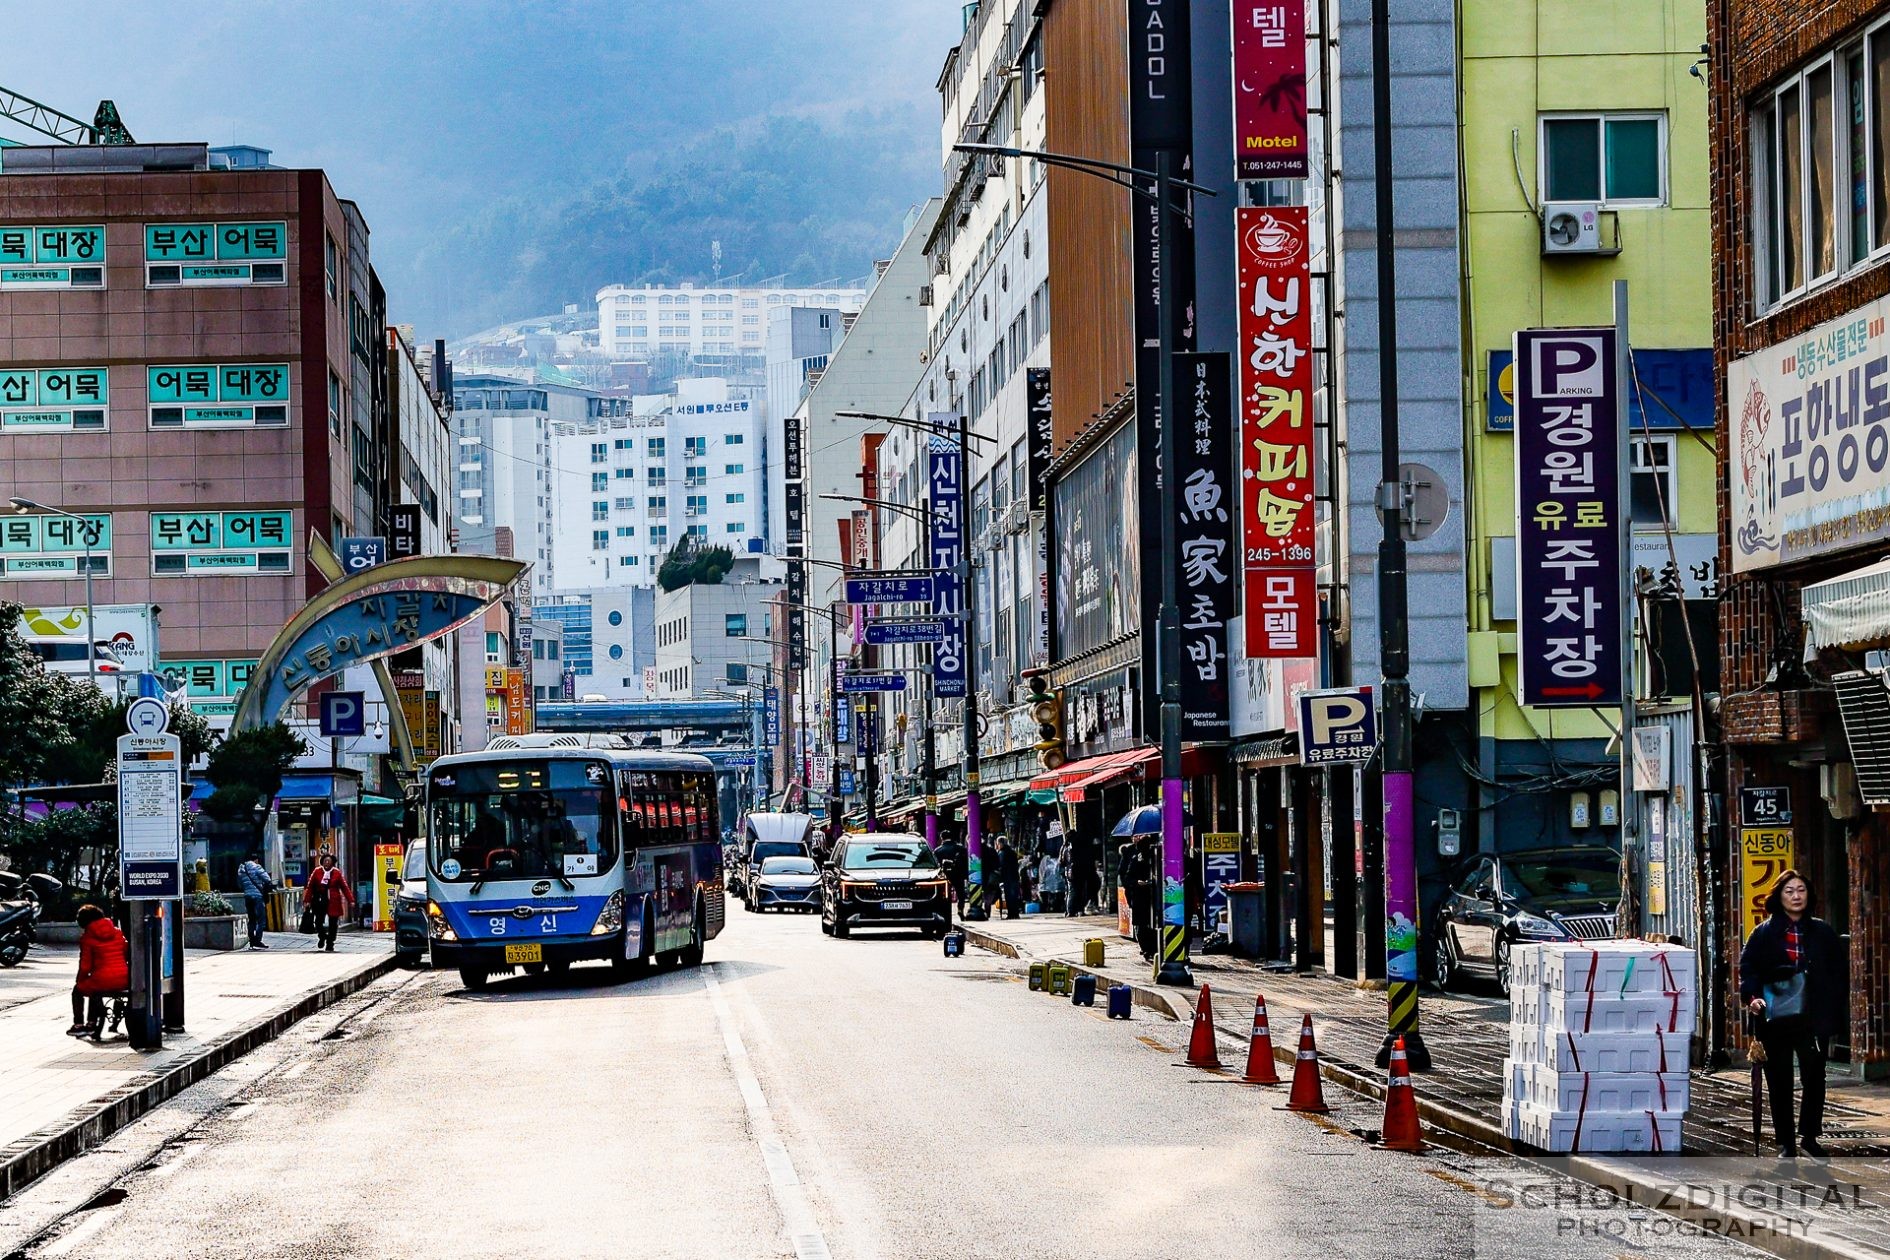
(298, 1069)
(790, 1196)
(69, 1242)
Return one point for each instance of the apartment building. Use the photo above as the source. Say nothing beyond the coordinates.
(707, 325)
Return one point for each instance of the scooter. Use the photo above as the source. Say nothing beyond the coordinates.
(20, 898)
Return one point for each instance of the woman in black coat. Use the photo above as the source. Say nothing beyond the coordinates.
(1792, 941)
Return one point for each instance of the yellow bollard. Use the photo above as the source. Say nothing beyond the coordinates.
(1036, 977)
(1060, 978)
(1093, 952)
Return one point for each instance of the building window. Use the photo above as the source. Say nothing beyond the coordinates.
(735, 625)
(334, 404)
(600, 540)
(626, 562)
(624, 505)
(1616, 159)
(624, 444)
(732, 439)
(1651, 481)
(600, 510)
(737, 673)
(599, 452)
(658, 504)
(626, 531)
(694, 478)
(600, 482)
(331, 266)
(615, 618)
(695, 447)
(659, 477)
(655, 447)
(732, 470)
(737, 527)
(697, 504)
(616, 652)
(698, 531)
(735, 498)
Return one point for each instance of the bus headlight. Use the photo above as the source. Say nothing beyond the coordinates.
(436, 924)
(610, 918)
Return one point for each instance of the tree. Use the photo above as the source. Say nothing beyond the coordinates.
(246, 772)
(44, 715)
(688, 564)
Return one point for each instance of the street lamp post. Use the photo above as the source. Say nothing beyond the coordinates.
(1172, 960)
(23, 506)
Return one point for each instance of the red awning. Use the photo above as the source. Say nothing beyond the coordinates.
(1070, 782)
(1122, 766)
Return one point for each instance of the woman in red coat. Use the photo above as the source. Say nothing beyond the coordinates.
(329, 896)
(104, 967)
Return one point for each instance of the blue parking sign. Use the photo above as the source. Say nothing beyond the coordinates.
(1337, 727)
(344, 713)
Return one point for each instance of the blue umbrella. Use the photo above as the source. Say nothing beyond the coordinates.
(1146, 820)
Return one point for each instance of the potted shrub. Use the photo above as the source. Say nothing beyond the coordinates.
(210, 922)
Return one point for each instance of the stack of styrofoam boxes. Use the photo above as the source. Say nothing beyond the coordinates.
(1598, 1034)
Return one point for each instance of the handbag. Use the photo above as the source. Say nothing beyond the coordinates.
(1785, 998)
(308, 920)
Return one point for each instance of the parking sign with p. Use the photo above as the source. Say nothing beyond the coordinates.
(1337, 727)
(343, 713)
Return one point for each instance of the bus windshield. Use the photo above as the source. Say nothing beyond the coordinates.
(521, 820)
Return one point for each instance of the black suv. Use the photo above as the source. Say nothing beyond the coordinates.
(888, 879)
(1533, 895)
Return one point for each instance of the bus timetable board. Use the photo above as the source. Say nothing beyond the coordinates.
(150, 817)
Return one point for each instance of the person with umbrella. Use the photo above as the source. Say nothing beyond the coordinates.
(1792, 976)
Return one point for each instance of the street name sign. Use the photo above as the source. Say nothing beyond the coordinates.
(928, 630)
(857, 683)
(890, 588)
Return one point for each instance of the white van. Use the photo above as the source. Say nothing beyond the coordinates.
(65, 654)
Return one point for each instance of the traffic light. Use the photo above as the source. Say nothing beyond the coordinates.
(1046, 710)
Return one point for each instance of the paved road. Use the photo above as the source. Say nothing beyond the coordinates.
(798, 1097)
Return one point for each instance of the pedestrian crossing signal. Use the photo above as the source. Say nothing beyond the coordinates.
(1046, 710)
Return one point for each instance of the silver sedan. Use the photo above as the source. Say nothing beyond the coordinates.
(787, 883)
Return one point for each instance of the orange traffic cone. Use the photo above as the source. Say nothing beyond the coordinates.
(1201, 1051)
(1260, 1069)
(1401, 1123)
(1308, 1091)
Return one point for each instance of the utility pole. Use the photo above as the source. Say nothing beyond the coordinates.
(1172, 962)
(976, 908)
(1394, 646)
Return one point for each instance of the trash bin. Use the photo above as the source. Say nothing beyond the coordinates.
(1247, 913)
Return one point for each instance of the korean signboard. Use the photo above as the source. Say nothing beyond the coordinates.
(891, 588)
(1337, 727)
(1568, 518)
(54, 400)
(1274, 290)
(1675, 390)
(1040, 435)
(1765, 853)
(217, 395)
(66, 256)
(1220, 866)
(797, 613)
(210, 686)
(918, 630)
(215, 254)
(861, 683)
(219, 543)
(359, 554)
(131, 629)
(1270, 89)
(1765, 806)
(54, 546)
(945, 475)
(403, 530)
(842, 720)
(518, 712)
(1809, 443)
(771, 715)
(1206, 507)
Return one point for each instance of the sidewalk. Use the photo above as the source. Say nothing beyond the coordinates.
(1467, 1036)
(60, 1095)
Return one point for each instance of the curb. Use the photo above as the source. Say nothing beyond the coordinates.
(1625, 1183)
(37, 1154)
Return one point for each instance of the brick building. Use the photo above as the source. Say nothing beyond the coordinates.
(1801, 230)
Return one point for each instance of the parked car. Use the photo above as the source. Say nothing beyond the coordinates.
(889, 879)
(787, 883)
(765, 836)
(1500, 900)
(410, 908)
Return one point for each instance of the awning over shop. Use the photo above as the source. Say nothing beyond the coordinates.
(1851, 611)
(339, 789)
(1271, 750)
(1003, 793)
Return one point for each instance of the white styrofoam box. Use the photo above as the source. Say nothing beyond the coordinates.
(1542, 1086)
(1569, 1051)
(1605, 966)
(1554, 1009)
(1608, 1131)
(1512, 1119)
(1515, 1080)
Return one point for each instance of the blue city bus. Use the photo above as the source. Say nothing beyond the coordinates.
(545, 850)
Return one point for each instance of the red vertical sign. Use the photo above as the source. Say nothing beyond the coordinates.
(1270, 89)
(1276, 448)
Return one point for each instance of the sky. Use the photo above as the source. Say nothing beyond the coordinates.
(425, 113)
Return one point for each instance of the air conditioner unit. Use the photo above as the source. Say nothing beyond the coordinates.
(925, 295)
(1571, 227)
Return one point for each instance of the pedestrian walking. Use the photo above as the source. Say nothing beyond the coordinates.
(951, 856)
(104, 968)
(1137, 874)
(1085, 881)
(256, 886)
(1792, 976)
(329, 896)
(1008, 872)
(1050, 880)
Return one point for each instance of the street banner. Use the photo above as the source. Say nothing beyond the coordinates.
(387, 864)
(1278, 525)
(1207, 549)
(150, 817)
(1039, 435)
(771, 715)
(926, 630)
(1568, 518)
(892, 588)
(1337, 727)
(945, 478)
(1270, 89)
(860, 684)
(1809, 446)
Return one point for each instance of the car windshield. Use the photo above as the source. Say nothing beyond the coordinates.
(765, 849)
(521, 820)
(1583, 876)
(788, 866)
(416, 867)
(888, 857)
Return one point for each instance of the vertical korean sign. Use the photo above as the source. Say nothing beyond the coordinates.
(1274, 284)
(1270, 89)
(771, 715)
(1568, 518)
(1204, 533)
(1040, 438)
(945, 477)
(794, 497)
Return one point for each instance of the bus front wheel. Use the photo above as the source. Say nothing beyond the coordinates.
(474, 978)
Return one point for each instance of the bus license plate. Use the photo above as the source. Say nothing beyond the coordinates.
(524, 953)
(896, 905)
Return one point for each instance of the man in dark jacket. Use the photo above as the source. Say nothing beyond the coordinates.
(256, 889)
(1789, 945)
(1140, 877)
(1008, 878)
(953, 860)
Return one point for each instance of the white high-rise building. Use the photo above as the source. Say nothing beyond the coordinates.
(714, 324)
(626, 489)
